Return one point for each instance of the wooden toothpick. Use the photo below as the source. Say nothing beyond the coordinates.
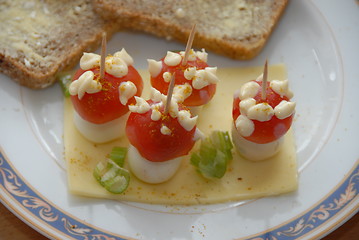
(264, 81)
(103, 56)
(169, 93)
(189, 44)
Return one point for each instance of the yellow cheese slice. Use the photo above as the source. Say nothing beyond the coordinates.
(244, 179)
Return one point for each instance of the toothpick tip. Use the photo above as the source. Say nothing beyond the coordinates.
(189, 44)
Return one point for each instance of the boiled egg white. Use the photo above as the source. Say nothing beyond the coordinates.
(151, 172)
(101, 133)
(254, 151)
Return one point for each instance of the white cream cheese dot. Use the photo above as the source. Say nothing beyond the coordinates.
(189, 73)
(157, 96)
(245, 104)
(154, 67)
(202, 77)
(155, 115)
(141, 106)
(248, 90)
(186, 121)
(116, 66)
(199, 82)
(84, 84)
(90, 60)
(211, 75)
(165, 130)
(284, 109)
(124, 56)
(202, 55)
(261, 112)
(172, 59)
(126, 91)
(173, 108)
(167, 76)
(281, 88)
(244, 125)
(181, 92)
(191, 55)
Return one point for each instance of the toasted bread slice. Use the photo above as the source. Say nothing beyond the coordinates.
(40, 38)
(236, 28)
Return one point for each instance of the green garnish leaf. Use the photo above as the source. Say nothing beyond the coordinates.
(118, 155)
(213, 156)
(65, 78)
(110, 172)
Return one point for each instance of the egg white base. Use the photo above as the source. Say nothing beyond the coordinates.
(151, 172)
(254, 151)
(101, 133)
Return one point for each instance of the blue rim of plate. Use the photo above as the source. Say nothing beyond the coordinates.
(51, 216)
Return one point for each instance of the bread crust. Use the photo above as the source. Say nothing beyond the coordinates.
(131, 19)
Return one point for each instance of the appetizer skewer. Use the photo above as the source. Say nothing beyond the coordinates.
(262, 114)
(159, 137)
(194, 77)
(101, 103)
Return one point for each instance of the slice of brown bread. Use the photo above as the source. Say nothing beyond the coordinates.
(235, 28)
(40, 38)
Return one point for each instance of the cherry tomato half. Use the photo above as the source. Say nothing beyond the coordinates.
(104, 106)
(267, 131)
(199, 96)
(145, 134)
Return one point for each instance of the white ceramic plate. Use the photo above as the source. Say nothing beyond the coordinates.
(33, 177)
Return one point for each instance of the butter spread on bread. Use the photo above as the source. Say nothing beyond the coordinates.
(236, 28)
(40, 38)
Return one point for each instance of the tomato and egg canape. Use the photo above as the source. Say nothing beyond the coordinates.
(195, 76)
(262, 114)
(101, 104)
(159, 138)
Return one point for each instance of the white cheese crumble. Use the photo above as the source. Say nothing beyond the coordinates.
(186, 121)
(89, 61)
(202, 55)
(116, 65)
(124, 56)
(192, 56)
(284, 109)
(245, 104)
(261, 112)
(183, 116)
(154, 67)
(141, 106)
(181, 92)
(167, 76)
(85, 84)
(248, 90)
(281, 88)
(202, 77)
(165, 130)
(244, 125)
(155, 115)
(172, 59)
(126, 91)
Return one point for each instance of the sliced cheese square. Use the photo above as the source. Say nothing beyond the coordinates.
(244, 179)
